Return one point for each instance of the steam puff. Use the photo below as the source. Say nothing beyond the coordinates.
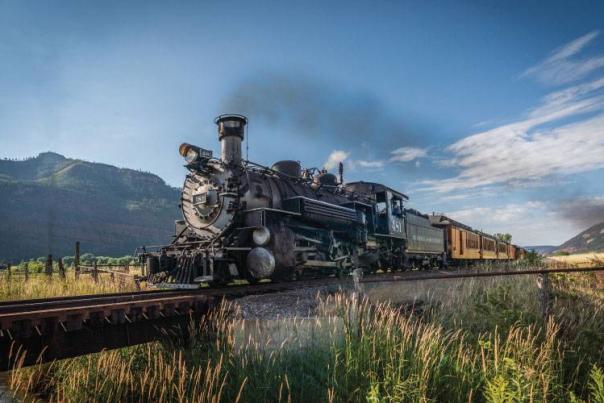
(335, 158)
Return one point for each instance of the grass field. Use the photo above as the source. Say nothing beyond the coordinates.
(579, 260)
(15, 287)
(465, 340)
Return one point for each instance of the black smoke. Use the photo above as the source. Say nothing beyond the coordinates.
(583, 212)
(321, 110)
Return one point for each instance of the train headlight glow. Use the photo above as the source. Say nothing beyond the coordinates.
(193, 153)
(191, 156)
(261, 236)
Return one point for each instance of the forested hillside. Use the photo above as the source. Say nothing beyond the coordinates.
(48, 202)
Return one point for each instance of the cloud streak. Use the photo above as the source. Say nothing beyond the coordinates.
(407, 154)
(562, 68)
(400, 155)
(543, 143)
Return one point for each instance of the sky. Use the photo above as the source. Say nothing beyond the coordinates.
(490, 112)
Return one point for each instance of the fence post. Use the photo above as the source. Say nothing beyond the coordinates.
(95, 272)
(8, 270)
(545, 290)
(26, 271)
(61, 269)
(76, 260)
(48, 268)
(127, 268)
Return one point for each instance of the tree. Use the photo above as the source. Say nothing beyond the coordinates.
(124, 260)
(504, 237)
(68, 260)
(532, 257)
(87, 259)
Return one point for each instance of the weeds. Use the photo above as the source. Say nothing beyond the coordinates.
(466, 341)
(42, 286)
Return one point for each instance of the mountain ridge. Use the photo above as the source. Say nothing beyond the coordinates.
(590, 240)
(50, 201)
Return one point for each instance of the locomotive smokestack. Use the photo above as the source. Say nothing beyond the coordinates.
(231, 129)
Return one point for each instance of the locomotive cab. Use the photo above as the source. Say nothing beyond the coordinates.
(389, 211)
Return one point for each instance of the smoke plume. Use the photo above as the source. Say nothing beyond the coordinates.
(323, 111)
(583, 212)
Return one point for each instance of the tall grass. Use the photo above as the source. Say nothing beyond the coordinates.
(458, 340)
(41, 286)
(355, 350)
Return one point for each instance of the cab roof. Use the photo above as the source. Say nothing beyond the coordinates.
(372, 187)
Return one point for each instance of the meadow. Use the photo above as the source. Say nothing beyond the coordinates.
(579, 259)
(39, 285)
(459, 340)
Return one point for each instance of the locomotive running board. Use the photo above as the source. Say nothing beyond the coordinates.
(319, 263)
(317, 210)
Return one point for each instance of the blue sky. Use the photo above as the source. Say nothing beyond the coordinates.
(492, 112)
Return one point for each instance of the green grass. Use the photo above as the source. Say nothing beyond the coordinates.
(467, 341)
(38, 285)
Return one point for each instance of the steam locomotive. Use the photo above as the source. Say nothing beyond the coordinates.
(243, 220)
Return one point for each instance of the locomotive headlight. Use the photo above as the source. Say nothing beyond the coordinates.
(190, 152)
(261, 236)
(191, 156)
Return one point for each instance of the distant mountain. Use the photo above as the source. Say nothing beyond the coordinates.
(48, 202)
(590, 240)
(542, 249)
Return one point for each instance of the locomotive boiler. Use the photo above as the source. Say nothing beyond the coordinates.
(245, 220)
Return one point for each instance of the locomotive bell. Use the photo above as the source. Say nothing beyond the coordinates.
(231, 129)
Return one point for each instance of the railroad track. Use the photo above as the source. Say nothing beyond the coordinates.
(63, 327)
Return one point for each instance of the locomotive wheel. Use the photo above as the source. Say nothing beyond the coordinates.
(243, 271)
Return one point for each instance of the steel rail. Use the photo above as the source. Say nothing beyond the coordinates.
(45, 303)
(247, 289)
(27, 308)
(497, 273)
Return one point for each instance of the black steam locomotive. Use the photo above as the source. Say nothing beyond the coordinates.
(244, 220)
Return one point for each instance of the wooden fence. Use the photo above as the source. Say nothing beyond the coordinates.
(117, 272)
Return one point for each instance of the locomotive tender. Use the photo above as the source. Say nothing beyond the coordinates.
(244, 220)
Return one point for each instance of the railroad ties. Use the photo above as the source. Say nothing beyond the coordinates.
(38, 331)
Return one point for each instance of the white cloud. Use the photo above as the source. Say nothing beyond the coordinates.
(530, 223)
(376, 164)
(407, 154)
(335, 158)
(528, 150)
(559, 68)
(478, 216)
(535, 222)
